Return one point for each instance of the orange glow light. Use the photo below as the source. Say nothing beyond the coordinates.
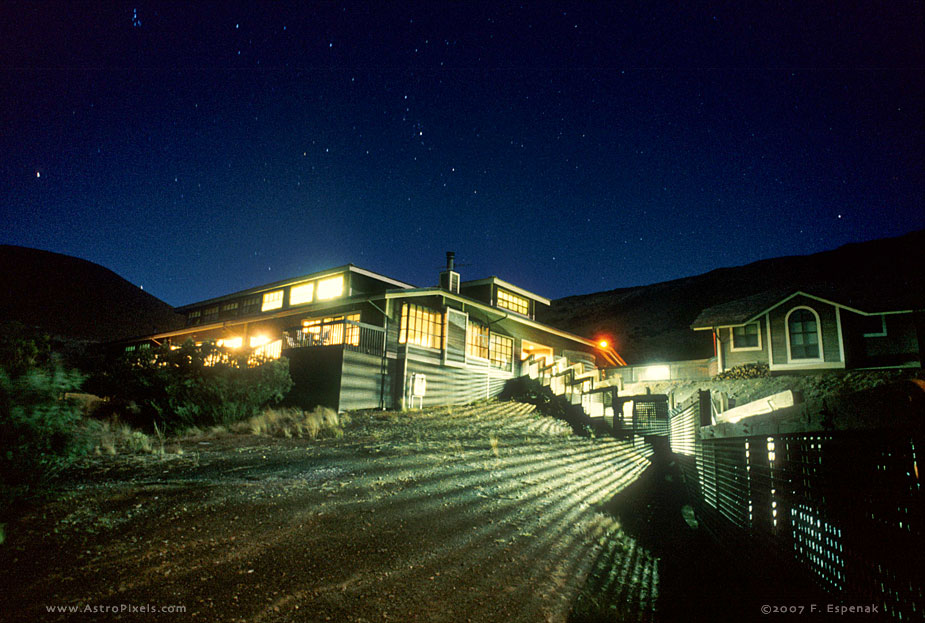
(602, 343)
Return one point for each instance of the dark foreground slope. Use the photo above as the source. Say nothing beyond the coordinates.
(652, 323)
(486, 513)
(73, 298)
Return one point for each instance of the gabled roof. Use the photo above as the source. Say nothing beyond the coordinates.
(864, 299)
(294, 281)
(738, 311)
(487, 309)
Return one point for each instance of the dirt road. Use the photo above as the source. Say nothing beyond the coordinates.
(480, 513)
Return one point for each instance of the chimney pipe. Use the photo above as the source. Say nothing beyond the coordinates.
(449, 279)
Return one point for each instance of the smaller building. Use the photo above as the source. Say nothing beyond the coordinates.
(803, 330)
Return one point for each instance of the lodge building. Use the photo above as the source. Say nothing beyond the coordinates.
(358, 339)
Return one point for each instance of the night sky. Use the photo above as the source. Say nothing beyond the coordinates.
(198, 149)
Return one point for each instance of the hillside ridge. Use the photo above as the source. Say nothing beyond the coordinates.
(74, 298)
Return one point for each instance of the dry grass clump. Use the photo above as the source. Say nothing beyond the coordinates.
(210, 432)
(105, 437)
(293, 422)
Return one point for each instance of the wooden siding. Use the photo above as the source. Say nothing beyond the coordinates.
(452, 385)
(364, 382)
(481, 293)
(828, 329)
(732, 358)
(900, 345)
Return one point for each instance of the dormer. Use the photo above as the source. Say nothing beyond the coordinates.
(503, 295)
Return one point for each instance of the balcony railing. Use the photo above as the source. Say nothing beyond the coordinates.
(356, 336)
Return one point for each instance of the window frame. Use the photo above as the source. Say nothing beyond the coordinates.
(339, 330)
(820, 351)
(295, 296)
(424, 324)
(732, 337)
(472, 348)
(882, 332)
(511, 302)
(492, 360)
(321, 286)
(271, 301)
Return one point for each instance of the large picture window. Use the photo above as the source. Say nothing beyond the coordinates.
(477, 340)
(517, 304)
(421, 326)
(746, 337)
(332, 330)
(803, 329)
(502, 352)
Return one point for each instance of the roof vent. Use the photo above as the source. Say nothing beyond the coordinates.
(449, 278)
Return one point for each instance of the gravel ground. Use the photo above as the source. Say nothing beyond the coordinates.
(481, 513)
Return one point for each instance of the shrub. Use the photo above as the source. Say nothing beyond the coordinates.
(193, 386)
(525, 389)
(38, 427)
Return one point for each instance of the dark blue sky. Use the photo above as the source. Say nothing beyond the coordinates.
(197, 149)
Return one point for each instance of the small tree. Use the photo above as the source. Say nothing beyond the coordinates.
(38, 428)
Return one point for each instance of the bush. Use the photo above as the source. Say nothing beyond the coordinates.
(192, 386)
(525, 389)
(38, 428)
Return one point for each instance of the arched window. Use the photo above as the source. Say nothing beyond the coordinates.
(803, 330)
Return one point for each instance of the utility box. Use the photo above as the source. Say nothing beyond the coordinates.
(418, 388)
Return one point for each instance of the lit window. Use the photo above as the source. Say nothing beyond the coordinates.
(272, 300)
(332, 330)
(745, 336)
(229, 309)
(193, 317)
(421, 326)
(258, 340)
(804, 335)
(502, 352)
(267, 350)
(511, 301)
(330, 288)
(210, 314)
(477, 340)
(230, 342)
(302, 293)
